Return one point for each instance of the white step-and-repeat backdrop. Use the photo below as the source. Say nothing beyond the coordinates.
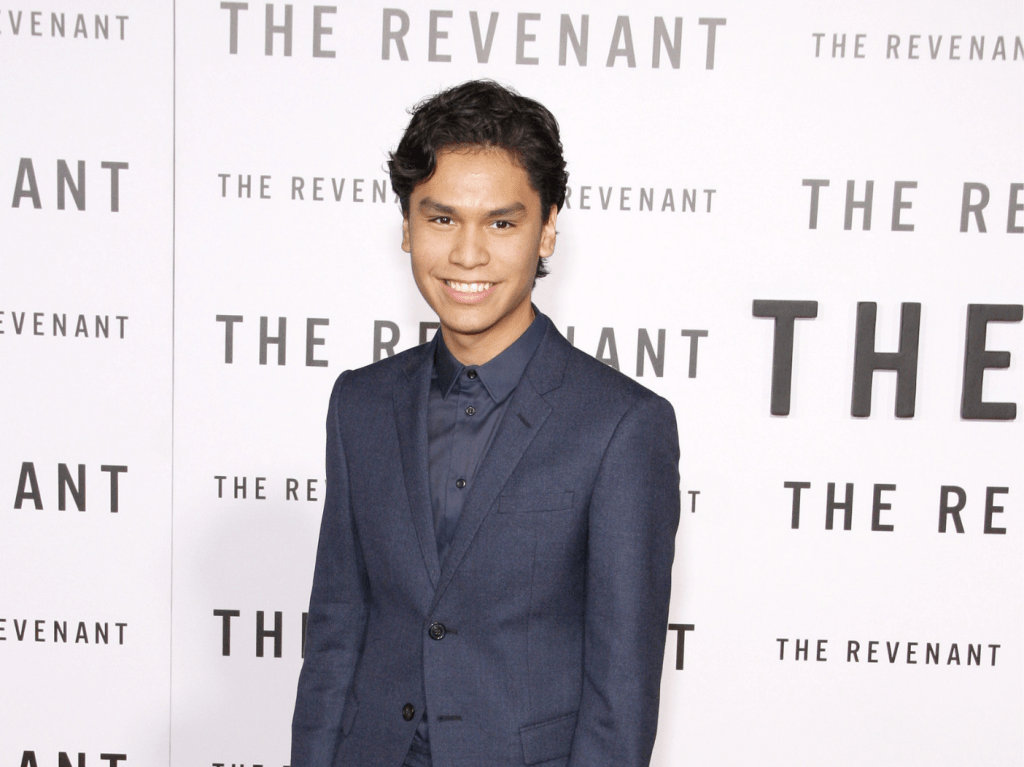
(801, 222)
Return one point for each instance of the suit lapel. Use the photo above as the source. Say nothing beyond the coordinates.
(524, 417)
(411, 398)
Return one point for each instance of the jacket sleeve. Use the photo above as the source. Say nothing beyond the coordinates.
(338, 608)
(633, 517)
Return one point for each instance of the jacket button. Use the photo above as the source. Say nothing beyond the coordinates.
(408, 712)
(436, 631)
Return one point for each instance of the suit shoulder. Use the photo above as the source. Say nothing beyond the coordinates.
(379, 378)
(601, 381)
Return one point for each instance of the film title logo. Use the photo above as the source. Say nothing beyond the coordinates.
(68, 487)
(974, 200)
(650, 347)
(276, 634)
(913, 653)
(952, 503)
(640, 199)
(681, 630)
(635, 198)
(61, 326)
(291, 489)
(28, 759)
(67, 184)
(69, 26)
(263, 633)
(915, 47)
(317, 190)
(867, 360)
(35, 632)
(525, 32)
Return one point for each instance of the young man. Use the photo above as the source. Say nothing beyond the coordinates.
(492, 580)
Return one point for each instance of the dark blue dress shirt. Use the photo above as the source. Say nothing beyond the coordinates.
(463, 412)
(466, 404)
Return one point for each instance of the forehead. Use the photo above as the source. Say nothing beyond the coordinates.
(478, 173)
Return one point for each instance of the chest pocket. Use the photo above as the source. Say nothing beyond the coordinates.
(535, 502)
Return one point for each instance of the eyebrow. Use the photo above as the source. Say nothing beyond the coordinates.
(508, 210)
(428, 204)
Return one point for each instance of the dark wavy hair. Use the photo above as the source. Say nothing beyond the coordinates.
(482, 113)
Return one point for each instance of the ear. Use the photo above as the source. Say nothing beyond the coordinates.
(406, 244)
(547, 233)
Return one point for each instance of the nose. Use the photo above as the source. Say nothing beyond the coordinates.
(469, 250)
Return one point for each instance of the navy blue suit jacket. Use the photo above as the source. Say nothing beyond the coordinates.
(553, 596)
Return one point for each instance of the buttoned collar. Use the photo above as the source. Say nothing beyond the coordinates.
(500, 375)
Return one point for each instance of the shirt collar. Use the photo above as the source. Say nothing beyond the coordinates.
(501, 375)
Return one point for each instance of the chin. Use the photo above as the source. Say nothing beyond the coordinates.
(467, 328)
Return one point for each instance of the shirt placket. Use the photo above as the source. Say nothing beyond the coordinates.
(466, 414)
(469, 393)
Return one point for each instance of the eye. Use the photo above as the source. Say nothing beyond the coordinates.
(503, 225)
(443, 220)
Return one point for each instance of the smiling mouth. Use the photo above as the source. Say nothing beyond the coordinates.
(469, 287)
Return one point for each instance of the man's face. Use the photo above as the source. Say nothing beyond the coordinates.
(474, 233)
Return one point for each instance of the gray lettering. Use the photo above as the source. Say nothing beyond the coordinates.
(522, 38)
(394, 35)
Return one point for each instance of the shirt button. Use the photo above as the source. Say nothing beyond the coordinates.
(471, 374)
(408, 712)
(436, 631)
(470, 410)
(460, 483)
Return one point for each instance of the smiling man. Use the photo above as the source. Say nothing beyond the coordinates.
(492, 580)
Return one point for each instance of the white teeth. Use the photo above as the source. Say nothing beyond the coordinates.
(468, 287)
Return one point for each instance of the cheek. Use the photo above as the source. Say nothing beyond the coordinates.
(419, 268)
(522, 257)
(424, 257)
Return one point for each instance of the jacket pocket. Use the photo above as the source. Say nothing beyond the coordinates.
(348, 717)
(548, 740)
(517, 504)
